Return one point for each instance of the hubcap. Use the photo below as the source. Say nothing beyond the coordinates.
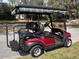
(37, 51)
(69, 43)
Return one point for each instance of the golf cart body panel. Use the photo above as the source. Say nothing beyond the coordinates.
(42, 40)
(48, 40)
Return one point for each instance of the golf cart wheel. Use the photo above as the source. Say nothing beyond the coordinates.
(36, 51)
(68, 43)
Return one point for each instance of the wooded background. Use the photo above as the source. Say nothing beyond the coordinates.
(71, 5)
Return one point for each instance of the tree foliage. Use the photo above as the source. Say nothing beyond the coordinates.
(5, 11)
(73, 9)
(71, 5)
(12, 2)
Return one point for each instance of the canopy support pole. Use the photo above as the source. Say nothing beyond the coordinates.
(7, 35)
(65, 25)
(50, 20)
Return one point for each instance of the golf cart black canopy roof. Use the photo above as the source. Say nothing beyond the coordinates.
(23, 9)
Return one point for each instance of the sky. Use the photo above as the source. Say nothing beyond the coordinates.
(5, 1)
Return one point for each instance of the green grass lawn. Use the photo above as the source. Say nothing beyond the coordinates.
(61, 53)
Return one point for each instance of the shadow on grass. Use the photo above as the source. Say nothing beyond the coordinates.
(56, 48)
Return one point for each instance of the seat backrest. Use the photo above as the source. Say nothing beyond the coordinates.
(40, 28)
(35, 26)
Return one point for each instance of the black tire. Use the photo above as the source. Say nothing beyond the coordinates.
(36, 49)
(68, 43)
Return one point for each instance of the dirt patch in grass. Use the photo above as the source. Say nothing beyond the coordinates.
(61, 53)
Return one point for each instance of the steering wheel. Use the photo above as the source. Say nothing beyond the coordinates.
(47, 24)
(59, 34)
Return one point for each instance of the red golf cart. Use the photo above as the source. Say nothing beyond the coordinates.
(34, 39)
